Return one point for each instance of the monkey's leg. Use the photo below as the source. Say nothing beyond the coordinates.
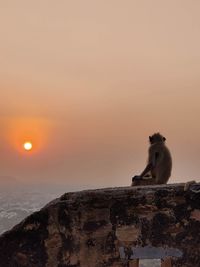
(146, 180)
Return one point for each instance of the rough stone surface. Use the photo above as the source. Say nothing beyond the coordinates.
(86, 229)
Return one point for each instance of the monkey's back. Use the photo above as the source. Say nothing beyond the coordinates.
(163, 167)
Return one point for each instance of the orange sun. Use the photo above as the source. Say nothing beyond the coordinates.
(27, 146)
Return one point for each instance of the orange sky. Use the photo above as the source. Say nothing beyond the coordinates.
(89, 81)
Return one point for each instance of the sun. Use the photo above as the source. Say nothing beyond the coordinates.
(27, 146)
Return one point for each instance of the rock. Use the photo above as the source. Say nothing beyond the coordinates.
(88, 228)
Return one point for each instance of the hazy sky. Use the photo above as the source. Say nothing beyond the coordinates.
(88, 81)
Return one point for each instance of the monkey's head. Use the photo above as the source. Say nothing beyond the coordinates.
(156, 138)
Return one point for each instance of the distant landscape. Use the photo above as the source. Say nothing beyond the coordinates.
(18, 200)
(18, 205)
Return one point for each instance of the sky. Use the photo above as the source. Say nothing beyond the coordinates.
(88, 81)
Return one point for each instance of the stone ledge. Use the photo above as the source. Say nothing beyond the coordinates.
(87, 228)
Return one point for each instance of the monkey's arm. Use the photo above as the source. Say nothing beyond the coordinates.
(151, 164)
(146, 170)
(137, 178)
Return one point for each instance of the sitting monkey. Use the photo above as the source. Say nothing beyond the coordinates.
(159, 166)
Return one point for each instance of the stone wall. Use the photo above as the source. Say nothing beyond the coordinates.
(109, 227)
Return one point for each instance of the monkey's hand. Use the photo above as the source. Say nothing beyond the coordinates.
(136, 177)
(136, 180)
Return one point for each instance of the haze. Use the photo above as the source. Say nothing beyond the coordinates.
(89, 81)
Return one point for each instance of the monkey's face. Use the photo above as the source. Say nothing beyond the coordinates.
(156, 138)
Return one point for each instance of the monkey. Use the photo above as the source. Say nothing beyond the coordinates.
(159, 164)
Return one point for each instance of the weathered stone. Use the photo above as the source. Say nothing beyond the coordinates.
(134, 263)
(128, 233)
(87, 229)
(195, 214)
(166, 263)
